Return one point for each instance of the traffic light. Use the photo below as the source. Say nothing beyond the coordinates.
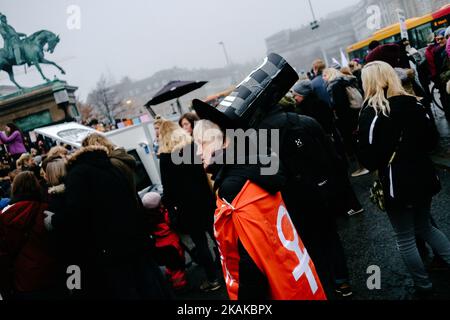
(314, 25)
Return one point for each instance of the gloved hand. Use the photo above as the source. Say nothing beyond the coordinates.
(48, 220)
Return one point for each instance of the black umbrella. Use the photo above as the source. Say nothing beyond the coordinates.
(174, 90)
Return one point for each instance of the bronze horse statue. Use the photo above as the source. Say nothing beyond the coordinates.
(32, 50)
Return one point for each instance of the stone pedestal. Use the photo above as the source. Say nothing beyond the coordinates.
(39, 106)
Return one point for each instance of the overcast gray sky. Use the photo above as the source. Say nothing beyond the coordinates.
(136, 38)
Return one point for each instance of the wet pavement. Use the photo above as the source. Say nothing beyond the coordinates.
(442, 155)
(368, 240)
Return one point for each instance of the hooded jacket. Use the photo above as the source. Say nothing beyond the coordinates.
(101, 205)
(102, 230)
(310, 163)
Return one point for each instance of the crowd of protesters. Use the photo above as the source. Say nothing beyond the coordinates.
(77, 209)
(64, 209)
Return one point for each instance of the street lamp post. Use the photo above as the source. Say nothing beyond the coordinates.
(225, 52)
(314, 26)
(228, 62)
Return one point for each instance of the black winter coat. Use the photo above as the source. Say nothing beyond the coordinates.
(347, 118)
(187, 189)
(56, 198)
(317, 109)
(102, 231)
(312, 166)
(440, 59)
(408, 131)
(100, 203)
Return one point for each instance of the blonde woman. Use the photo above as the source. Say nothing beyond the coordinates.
(25, 161)
(58, 151)
(395, 137)
(172, 138)
(188, 196)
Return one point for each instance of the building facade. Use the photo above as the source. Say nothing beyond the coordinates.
(133, 95)
(339, 30)
(44, 105)
(300, 47)
(367, 12)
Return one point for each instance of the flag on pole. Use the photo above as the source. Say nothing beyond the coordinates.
(344, 59)
(335, 64)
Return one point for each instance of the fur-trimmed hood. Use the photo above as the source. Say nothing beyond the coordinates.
(77, 155)
(57, 189)
(120, 154)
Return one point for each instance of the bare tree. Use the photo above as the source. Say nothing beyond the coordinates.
(105, 99)
(87, 112)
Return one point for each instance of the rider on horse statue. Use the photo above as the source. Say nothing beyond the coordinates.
(11, 39)
(20, 49)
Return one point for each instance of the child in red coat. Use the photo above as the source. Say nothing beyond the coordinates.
(168, 249)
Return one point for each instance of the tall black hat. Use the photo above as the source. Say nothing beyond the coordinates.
(253, 97)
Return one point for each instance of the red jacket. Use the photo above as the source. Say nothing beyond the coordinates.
(25, 241)
(164, 235)
(429, 55)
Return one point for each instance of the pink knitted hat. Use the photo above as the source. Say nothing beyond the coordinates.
(151, 200)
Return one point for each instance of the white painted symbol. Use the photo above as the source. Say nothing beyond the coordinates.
(303, 267)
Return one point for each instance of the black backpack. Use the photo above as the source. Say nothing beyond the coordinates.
(308, 158)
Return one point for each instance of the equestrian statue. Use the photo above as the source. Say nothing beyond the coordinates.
(20, 50)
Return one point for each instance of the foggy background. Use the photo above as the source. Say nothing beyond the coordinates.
(137, 38)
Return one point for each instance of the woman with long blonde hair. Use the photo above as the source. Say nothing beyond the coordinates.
(172, 137)
(187, 195)
(395, 138)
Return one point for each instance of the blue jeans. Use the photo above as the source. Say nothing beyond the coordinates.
(416, 220)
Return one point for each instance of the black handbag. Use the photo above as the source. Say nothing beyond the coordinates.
(377, 195)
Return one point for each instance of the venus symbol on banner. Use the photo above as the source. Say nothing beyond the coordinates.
(303, 267)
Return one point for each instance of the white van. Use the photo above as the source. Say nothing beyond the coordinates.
(137, 140)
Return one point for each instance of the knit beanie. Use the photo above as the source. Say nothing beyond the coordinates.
(151, 200)
(303, 88)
